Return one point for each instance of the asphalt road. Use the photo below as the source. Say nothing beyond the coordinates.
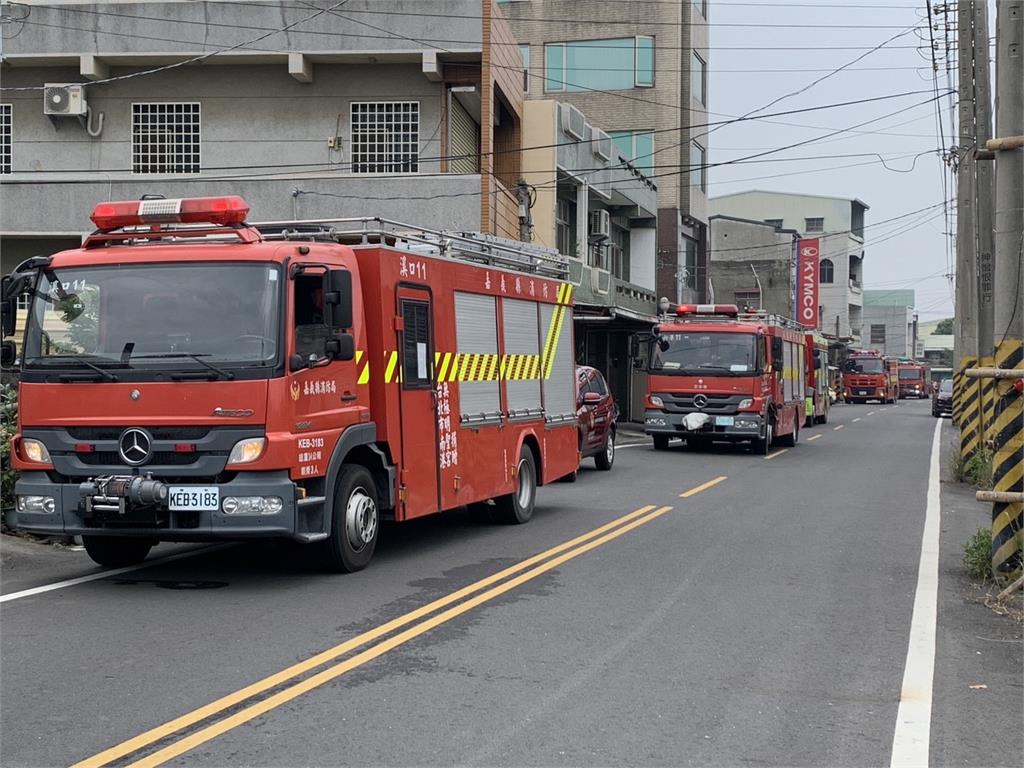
(762, 618)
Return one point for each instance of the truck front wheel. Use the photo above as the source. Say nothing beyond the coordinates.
(355, 522)
(517, 507)
(660, 442)
(117, 551)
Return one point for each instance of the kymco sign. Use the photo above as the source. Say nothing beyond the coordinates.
(807, 283)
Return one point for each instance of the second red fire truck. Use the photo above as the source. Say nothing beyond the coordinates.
(868, 375)
(714, 374)
(914, 380)
(187, 376)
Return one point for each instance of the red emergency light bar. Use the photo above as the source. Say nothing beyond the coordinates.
(730, 310)
(221, 211)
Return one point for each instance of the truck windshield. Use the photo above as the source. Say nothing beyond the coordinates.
(910, 374)
(158, 316)
(705, 352)
(864, 365)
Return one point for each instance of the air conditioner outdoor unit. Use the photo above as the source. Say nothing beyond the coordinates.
(600, 225)
(573, 122)
(600, 281)
(602, 144)
(64, 100)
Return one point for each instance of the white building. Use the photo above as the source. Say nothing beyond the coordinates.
(839, 224)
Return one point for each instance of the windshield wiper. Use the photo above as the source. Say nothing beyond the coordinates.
(103, 373)
(191, 356)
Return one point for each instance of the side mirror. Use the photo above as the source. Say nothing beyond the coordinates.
(634, 347)
(817, 360)
(342, 347)
(8, 354)
(591, 398)
(7, 317)
(338, 298)
(777, 352)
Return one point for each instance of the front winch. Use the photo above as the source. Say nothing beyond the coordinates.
(110, 494)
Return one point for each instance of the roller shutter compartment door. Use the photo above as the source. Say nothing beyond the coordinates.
(557, 362)
(476, 330)
(522, 357)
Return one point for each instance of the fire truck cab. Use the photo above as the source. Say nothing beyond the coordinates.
(187, 376)
(714, 374)
(868, 375)
(914, 380)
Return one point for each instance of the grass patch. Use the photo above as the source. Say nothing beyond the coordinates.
(978, 469)
(956, 463)
(978, 555)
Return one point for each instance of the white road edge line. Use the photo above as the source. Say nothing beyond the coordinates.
(857, 419)
(106, 574)
(871, 413)
(813, 437)
(911, 741)
(835, 428)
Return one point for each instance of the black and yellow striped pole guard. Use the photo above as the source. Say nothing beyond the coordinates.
(970, 411)
(1008, 462)
(958, 386)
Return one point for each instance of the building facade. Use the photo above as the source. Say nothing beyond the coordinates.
(591, 203)
(839, 225)
(642, 68)
(305, 112)
(890, 323)
(751, 264)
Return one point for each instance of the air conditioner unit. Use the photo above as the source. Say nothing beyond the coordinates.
(600, 226)
(573, 122)
(600, 281)
(602, 144)
(64, 100)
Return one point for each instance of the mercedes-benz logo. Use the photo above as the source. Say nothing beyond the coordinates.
(134, 446)
(700, 400)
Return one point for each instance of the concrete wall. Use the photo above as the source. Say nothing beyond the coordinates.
(899, 329)
(736, 246)
(642, 242)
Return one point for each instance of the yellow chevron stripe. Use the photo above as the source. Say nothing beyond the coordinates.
(549, 361)
(568, 293)
(520, 371)
(504, 365)
(443, 369)
(389, 371)
(456, 364)
(1007, 553)
(534, 364)
(364, 374)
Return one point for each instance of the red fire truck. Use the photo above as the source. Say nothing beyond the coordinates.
(914, 379)
(714, 374)
(868, 375)
(818, 401)
(187, 376)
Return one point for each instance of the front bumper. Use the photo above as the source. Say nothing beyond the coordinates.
(744, 426)
(303, 520)
(942, 406)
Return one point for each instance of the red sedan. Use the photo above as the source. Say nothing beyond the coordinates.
(597, 415)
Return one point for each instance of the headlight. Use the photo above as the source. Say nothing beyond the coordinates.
(252, 505)
(655, 401)
(246, 451)
(36, 505)
(35, 451)
(745, 403)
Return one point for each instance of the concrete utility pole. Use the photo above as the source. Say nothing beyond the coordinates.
(1008, 427)
(983, 178)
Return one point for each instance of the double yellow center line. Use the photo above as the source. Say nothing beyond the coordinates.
(454, 605)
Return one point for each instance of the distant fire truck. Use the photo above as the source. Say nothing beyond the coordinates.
(868, 375)
(915, 380)
(817, 400)
(714, 374)
(187, 376)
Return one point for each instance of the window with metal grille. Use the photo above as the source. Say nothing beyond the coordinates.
(385, 137)
(814, 225)
(165, 138)
(877, 334)
(417, 358)
(6, 114)
(748, 299)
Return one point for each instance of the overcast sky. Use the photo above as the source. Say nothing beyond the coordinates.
(907, 253)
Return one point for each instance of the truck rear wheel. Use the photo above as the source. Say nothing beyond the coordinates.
(790, 440)
(660, 442)
(117, 551)
(355, 522)
(517, 507)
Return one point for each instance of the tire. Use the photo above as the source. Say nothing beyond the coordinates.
(516, 508)
(117, 551)
(936, 414)
(763, 446)
(355, 522)
(790, 440)
(823, 419)
(606, 458)
(660, 442)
